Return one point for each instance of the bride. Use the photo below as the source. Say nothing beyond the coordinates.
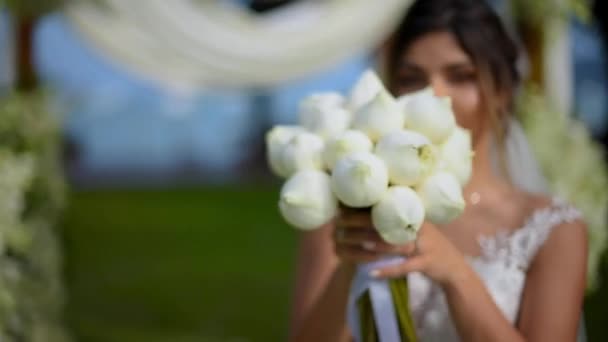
(512, 266)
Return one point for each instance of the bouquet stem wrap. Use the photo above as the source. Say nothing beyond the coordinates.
(378, 309)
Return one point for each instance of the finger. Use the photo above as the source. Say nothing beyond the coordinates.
(357, 235)
(375, 247)
(356, 253)
(413, 264)
(369, 241)
(370, 245)
(354, 222)
(411, 248)
(380, 247)
(353, 218)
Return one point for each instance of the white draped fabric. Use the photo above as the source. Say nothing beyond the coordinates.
(188, 43)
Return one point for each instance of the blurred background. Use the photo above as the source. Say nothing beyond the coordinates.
(137, 201)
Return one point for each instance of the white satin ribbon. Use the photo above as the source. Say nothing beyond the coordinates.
(381, 298)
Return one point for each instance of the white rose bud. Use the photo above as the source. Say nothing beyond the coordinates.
(364, 90)
(379, 117)
(324, 115)
(429, 115)
(306, 200)
(359, 179)
(409, 156)
(399, 215)
(456, 155)
(303, 152)
(276, 140)
(442, 197)
(348, 142)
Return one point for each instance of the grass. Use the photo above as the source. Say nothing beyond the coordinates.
(178, 265)
(204, 265)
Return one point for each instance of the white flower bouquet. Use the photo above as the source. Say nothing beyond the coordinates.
(405, 159)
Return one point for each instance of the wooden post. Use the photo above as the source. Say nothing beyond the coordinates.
(547, 46)
(26, 78)
(532, 36)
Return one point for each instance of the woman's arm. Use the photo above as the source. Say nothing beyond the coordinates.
(321, 291)
(552, 300)
(474, 312)
(555, 287)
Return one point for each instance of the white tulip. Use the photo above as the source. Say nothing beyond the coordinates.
(303, 152)
(399, 215)
(359, 179)
(379, 117)
(307, 201)
(409, 156)
(348, 142)
(442, 197)
(324, 115)
(456, 155)
(429, 115)
(365, 89)
(276, 140)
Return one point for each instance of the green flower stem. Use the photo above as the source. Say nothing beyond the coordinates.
(399, 291)
(368, 326)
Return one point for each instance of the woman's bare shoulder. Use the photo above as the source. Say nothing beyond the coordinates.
(564, 223)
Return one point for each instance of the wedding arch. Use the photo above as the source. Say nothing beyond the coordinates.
(201, 43)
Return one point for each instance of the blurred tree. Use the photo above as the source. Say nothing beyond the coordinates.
(31, 272)
(32, 8)
(600, 13)
(25, 77)
(542, 27)
(25, 15)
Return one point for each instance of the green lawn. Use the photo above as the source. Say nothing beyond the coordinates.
(190, 265)
(178, 265)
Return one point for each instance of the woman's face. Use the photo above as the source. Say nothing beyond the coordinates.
(436, 60)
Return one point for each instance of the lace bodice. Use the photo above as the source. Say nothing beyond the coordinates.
(502, 265)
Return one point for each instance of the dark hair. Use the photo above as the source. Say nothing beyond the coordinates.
(481, 34)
